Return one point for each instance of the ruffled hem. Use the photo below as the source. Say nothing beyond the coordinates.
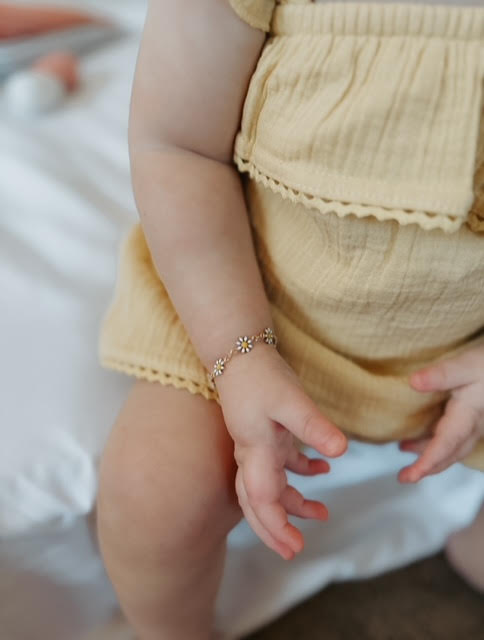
(386, 19)
(426, 220)
(157, 375)
(370, 109)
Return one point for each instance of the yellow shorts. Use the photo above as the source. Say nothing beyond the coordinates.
(358, 303)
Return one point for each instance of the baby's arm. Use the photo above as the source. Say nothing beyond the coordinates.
(194, 65)
(195, 62)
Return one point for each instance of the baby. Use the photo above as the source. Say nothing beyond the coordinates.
(329, 284)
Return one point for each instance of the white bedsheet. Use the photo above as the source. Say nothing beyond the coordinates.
(65, 201)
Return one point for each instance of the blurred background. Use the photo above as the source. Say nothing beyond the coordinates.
(65, 204)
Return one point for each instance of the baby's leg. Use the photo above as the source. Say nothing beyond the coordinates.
(165, 506)
(465, 552)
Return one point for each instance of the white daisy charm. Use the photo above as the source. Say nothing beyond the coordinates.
(244, 344)
(269, 337)
(218, 367)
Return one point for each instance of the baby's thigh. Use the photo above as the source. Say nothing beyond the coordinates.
(167, 474)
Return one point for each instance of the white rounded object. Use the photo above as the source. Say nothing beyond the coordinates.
(31, 92)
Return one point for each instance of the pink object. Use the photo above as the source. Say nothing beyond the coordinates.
(62, 64)
(26, 20)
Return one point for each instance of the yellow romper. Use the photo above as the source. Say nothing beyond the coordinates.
(361, 150)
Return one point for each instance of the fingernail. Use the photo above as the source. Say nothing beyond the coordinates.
(286, 555)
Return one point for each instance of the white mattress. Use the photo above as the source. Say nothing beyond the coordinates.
(65, 202)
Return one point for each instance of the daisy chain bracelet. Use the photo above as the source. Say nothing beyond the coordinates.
(244, 344)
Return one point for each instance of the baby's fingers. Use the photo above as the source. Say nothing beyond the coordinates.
(301, 416)
(296, 504)
(274, 518)
(300, 463)
(453, 430)
(282, 549)
(454, 372)
(418, 446)
(265, 483)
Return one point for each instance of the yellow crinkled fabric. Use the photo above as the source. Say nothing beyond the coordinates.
(368, 109)
(362, 152)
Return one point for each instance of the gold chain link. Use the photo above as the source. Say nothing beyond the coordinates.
(244, 344)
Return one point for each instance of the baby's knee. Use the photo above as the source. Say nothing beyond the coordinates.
(156, 495)
(154, 505)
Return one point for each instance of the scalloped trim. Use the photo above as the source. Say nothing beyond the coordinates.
(427, 220)
(163, 377)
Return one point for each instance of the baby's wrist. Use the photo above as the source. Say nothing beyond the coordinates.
(245, 348)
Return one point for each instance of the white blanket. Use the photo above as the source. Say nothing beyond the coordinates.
(65, 202)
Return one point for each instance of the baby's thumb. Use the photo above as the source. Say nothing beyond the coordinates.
(301, 416)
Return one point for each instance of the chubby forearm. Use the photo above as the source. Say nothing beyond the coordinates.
(194, 66)
(195, 220)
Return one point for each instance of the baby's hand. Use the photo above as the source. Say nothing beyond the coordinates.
(462, 423)
(264, 407)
